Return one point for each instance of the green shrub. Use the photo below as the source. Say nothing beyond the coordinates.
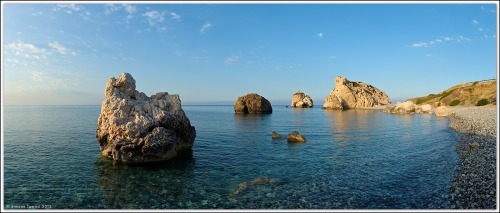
(446, 94)
(483, 102)
(455, 103)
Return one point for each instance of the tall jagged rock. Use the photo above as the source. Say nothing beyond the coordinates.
(135, 128)
(301, 100)
(253, 104)
(352, 94)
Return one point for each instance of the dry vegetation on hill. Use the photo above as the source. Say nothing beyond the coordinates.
(468, 94)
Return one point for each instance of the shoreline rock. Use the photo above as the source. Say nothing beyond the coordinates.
(134, 128)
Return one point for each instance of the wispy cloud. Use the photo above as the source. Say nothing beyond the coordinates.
(205, 27)
(38, 76)
(27, 50)
(154, 17)
(68, 8)
(129, 8)
(231, 59)
(175, 16)
(58, 47)
(441, 39)
(475, 22)
(110, 8)
(320, 35)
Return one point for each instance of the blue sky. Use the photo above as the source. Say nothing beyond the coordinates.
(212, 53)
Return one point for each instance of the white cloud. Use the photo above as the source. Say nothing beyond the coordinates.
(68, 8)
(459, 39)
(205, 27)
(129, 8)
(27, 50)
(110, 8)
(175, 16)
(332, 57)
(39, 76)
(320, 35)
(59, 47)
(475, 22)
(154, 17)
(231, 59)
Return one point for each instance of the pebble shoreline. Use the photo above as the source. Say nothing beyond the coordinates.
(474, 184)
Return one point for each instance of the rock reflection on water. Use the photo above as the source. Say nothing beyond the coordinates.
(154, 185)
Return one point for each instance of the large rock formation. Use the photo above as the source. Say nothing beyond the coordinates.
(134, 128)
(347, 94)
(301, 100)
(252, 103)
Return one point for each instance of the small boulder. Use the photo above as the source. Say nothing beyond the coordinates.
(474, 145)
(442, 111)
(301, 100)
(252, 104)
(275, 135)
(295, 137)
(425, 108)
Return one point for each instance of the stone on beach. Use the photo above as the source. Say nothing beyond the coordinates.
(295, 137)
(442, 111)
(134, 128)
(347, 94)
(252, 104)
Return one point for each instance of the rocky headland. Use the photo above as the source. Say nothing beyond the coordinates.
(301, 100)
(474, 185)
(349, 94)
(252, 104)
(135, 128)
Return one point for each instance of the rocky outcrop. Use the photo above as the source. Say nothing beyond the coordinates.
(295, 137)
(134, 128)
(352, 94)
(252, 103)
(301, 100)
(443, 111)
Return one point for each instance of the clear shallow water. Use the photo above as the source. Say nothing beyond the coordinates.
(355, 159)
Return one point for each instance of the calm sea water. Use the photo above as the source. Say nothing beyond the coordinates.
(354, 159)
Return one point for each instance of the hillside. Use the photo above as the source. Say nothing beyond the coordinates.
(468, 94)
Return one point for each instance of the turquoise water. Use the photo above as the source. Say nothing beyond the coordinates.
(354, 159)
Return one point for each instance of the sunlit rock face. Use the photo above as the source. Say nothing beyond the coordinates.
(135, 128)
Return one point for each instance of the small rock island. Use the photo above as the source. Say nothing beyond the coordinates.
(135, 128)
(301, 100)
(252, 104)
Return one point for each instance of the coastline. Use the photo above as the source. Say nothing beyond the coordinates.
(474, 183)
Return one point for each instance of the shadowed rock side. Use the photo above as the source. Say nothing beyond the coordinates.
(347, 94)
(301, 100)
(134, 128)
(252, 104)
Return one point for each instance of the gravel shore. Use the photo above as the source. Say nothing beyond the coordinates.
(474, 185)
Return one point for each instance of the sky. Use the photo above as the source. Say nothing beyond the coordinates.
(211, 53)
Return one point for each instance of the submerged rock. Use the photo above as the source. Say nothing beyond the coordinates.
(275, 135)
(295, 137)
(134, 128)
(301, 100)
(252, 104)
(347, 94)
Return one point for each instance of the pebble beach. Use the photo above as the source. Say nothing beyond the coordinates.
(474, 185)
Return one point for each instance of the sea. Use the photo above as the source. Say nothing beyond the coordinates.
(352, 159)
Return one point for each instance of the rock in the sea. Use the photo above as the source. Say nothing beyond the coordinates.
(442, 111)
(134, 128)
(275, 135)
(252, 103)
(301, 100)
(295, 137)
(354, 95)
